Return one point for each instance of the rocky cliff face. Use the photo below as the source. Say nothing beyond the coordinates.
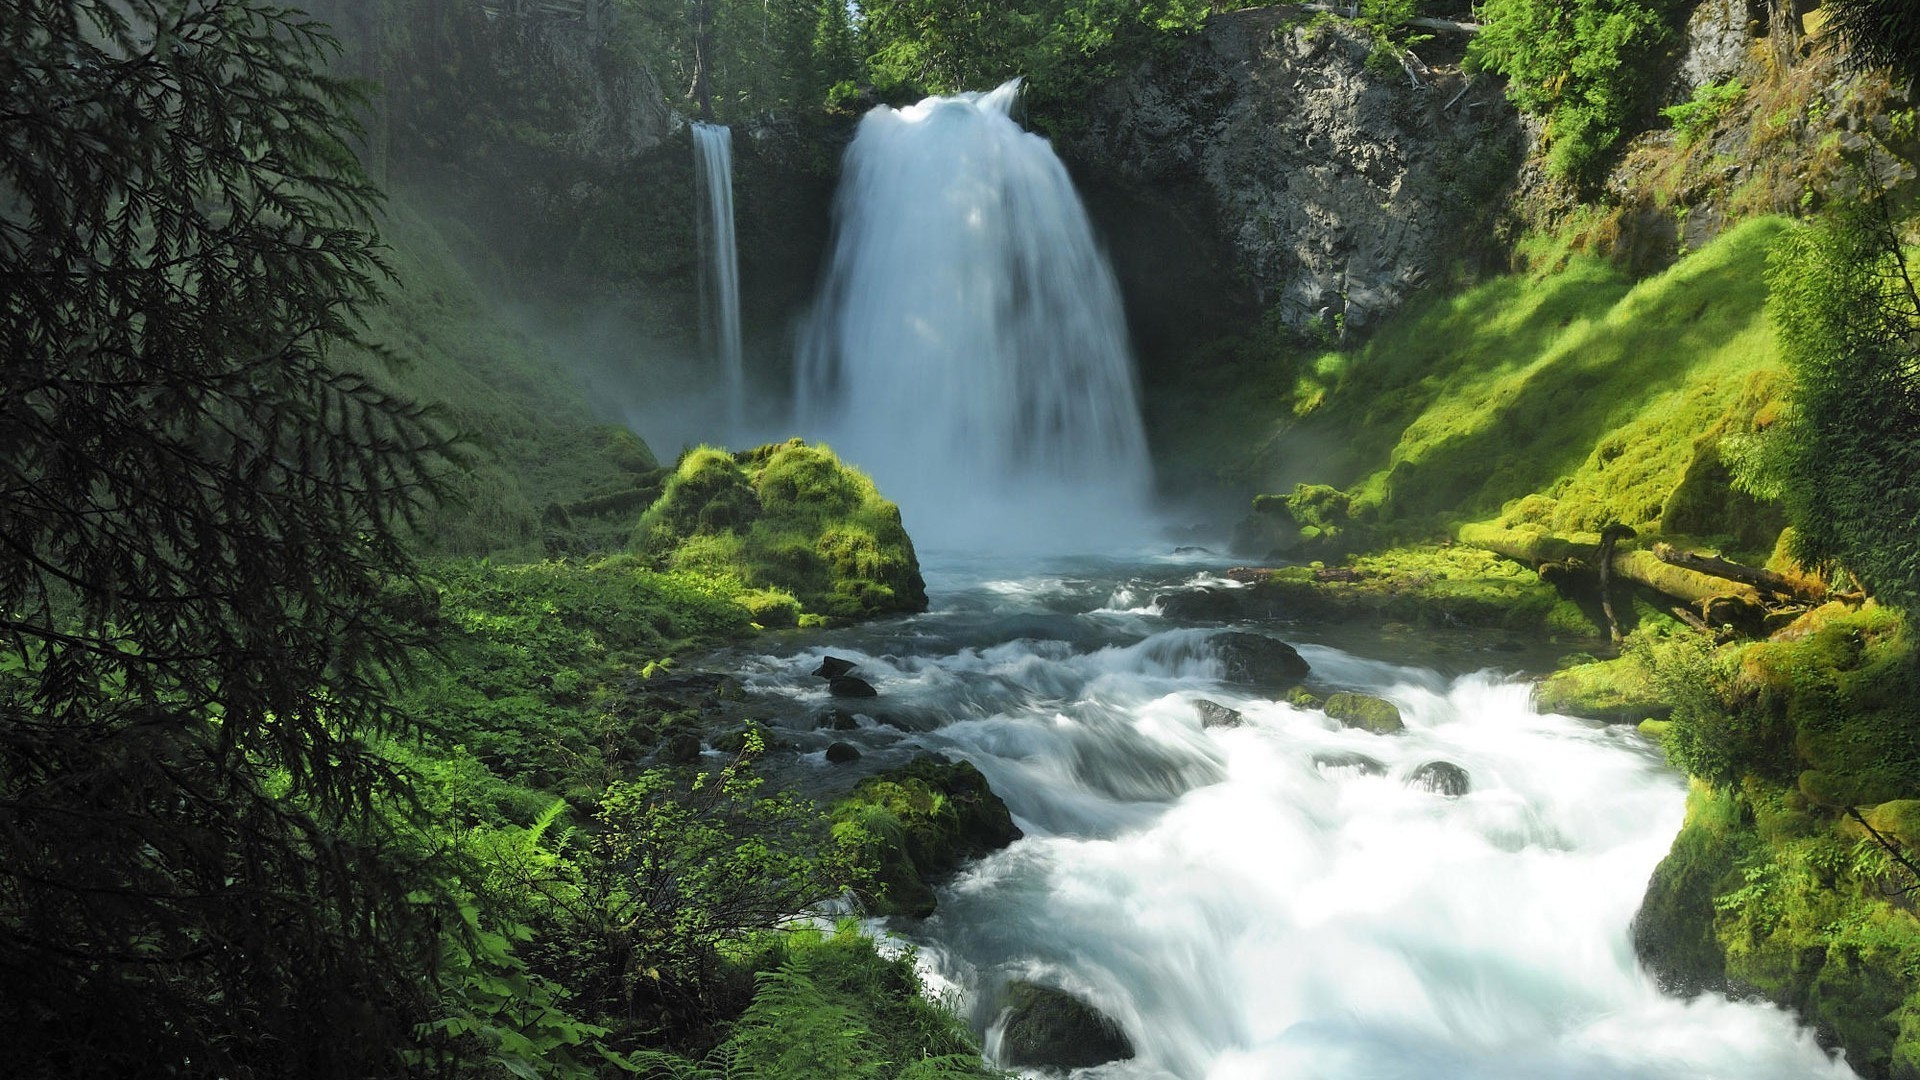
(1335, 188)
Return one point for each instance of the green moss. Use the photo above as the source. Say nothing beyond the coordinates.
(786, 520)
(1432, 586)
(1364, 711)
(1619, 691)
(918, 822)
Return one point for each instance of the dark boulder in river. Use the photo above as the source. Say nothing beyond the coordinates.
(851, 686)
(842, 753)
(1258, 660)
(1441, 778)
(832, 667)
(923, 820)
(1052, 1029)
(1214, 714)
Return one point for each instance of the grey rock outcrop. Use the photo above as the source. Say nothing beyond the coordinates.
(1338, 189)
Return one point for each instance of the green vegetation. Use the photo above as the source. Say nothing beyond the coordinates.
(790, 521)
(1588, 67)
(1697, 116)
(919, 822)
(1847, 462)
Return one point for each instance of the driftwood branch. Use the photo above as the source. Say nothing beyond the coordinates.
(1765, 581)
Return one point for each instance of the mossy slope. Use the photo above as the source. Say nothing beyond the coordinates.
(1570, 399)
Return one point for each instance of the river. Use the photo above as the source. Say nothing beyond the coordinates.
(1262, 901)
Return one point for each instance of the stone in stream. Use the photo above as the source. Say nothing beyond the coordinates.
(1344, 761)
(1366, 712)
(832, 667)
(1441, 778)
(682, 748)
(1258, 660)
(842, 753)
(924, 819)
(1200, 604)
(1213, 714)
(1051, 1029)
(851, 686)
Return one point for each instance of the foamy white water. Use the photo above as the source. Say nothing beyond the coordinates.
(1276, 900)
(968, 347)
(720, 268)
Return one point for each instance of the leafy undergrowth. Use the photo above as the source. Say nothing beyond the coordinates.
(808, 534)
(1793, 875)
(1577, 396)
(538, 446)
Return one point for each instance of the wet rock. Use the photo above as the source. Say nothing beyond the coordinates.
(1213, 714)
(851, 686)
(1200, 605)
(709, 683)
(1301, 698)
(832, 667)
(682, 748)
(1364, 711)
(1258, 660)
(1338, 762)
(842, 753)
(1052, 1029)
(924, 819)
(838, 720)
(735, 742)
(1441, 778)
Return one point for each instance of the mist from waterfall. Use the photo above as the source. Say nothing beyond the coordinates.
(968, 347)
(720, 264)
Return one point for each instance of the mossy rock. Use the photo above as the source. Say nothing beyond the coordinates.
(1619, 691)
(922, 821)
(1052, 1029)
(1673, 932)
(804, 535)
(1366, 712)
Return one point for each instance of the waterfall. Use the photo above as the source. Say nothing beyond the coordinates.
(968, 346)
(720, 269)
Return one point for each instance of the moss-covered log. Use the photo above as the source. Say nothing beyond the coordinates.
(1728, 601)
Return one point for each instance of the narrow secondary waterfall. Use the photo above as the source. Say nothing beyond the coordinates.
(720, 269)
(1281, 899)
(968, 348)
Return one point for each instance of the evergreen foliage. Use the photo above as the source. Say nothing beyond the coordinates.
(1848, 460)
(1877, 33)
(1585, 66)
(206, 591)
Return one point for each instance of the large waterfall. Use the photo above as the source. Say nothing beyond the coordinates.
(968, 347)
(720, 269)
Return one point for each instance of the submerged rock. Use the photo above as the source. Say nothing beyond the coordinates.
(1258, 660)
(1348, 762)
(1213, 714)
(851, 686)
(1052, 1029)
(832, 667)
(1441, 778)
(842, 753)
(1364, 711)
(680, 749)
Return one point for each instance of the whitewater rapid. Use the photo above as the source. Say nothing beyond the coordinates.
(1250, 902)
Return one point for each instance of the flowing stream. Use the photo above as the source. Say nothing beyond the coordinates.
(720, 267)
(1278, 899)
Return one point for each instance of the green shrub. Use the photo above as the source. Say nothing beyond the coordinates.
(1696, 116)
(1586, 66)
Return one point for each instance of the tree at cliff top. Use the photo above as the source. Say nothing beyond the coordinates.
(1585, 66)
(204, 597)
(1847, 464)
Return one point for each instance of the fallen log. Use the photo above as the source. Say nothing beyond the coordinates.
(1719, 599)
(1445, 26)
(1765, 581)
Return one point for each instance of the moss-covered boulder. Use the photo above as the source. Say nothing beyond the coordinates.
(1364, 711)
(804, 533)
(1618, 691)
(919, 822)
(1051, 1029)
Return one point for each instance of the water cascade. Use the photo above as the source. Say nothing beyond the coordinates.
(968, 347)
(1280, 897)
(720, 269)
